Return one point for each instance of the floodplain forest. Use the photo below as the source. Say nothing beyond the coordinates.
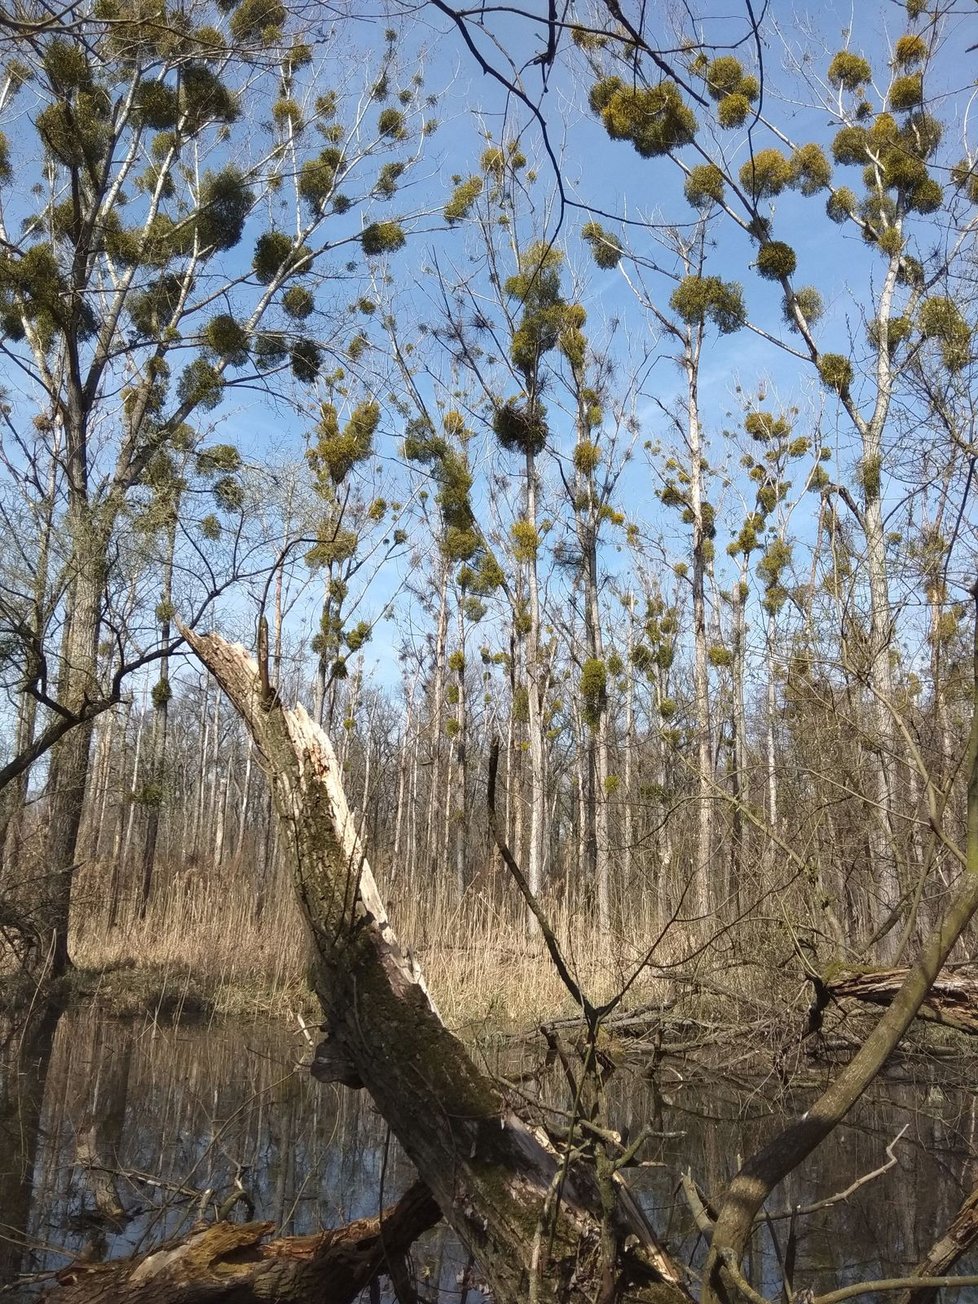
(503, 478)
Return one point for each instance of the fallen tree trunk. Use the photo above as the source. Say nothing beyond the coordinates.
(539, 1222)
(231, 1263)
(952, 999)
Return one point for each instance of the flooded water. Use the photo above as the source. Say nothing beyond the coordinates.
(114, 1135)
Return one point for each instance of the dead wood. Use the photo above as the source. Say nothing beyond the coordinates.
(956, 1240)
(538, 1221)
(230, 1263)
(952, 999)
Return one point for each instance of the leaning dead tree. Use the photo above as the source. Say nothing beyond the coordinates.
(541, 1220)
(548, 1222)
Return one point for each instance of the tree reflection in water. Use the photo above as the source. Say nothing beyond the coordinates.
(114, 1135)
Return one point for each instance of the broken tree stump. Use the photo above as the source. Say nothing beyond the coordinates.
(232, 1263)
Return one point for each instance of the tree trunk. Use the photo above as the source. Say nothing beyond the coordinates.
(68, 772)
(769, 724)
(701, 896)
(535, 725)
(628, 743)
(161, 717)
(529, 1214)
(457, 806)
(436, 792)
(952, 999)
(957, 1239)
(738, 716)
(13, 798)
(25, 1057)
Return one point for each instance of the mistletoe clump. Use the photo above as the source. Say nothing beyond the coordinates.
(849, 71)
(605, 249)
(594, 691)
(258, 21)
(704, 185)
(336, 452)
(526, 541)
(463, 197)
(521, 427)
(228, 339)
(849, 145)
(200, 385)
(841, 204)
(810, 169)
(382, 238)
(297, 302)
(941, 320)
(725, 76)
(766, 174)
(805, 300)
(152, 308)
(907, 93)
(835, 371)
(732, 111)
(317, 178)
(776, 260)
(306, 360)
(765, 426)
(897, 332)
(277, 254)
(654, 119)
(587, 457)
(909, 50)
(965, 178)
(698, 299)
(226, 200)
(391, 124)
(733, 90)
(156, 105)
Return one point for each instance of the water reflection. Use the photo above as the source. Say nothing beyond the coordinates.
(25, 1056)
(114, 1135)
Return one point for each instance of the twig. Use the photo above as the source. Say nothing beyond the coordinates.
(804, 1209)
(892, 1284)
(509, 860)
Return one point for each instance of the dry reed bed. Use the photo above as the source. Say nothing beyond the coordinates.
(202, 943)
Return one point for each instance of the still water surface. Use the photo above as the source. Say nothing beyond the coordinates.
(171, 1119)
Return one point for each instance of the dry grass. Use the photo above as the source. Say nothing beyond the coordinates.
(201, 940)
(201, 946)
(488, 973)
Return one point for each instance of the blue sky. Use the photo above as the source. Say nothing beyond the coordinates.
(608, 176)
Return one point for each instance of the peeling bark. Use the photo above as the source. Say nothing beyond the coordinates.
(230, 1263)
(530, 1215)
(952, 999)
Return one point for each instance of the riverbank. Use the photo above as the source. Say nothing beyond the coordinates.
(483, 987)
(214, 953)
